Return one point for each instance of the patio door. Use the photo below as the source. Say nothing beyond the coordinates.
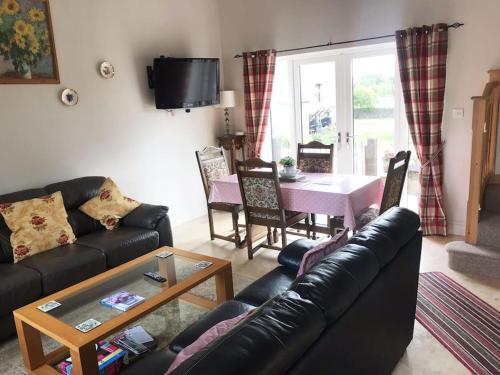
(319, 98)
(351, 98)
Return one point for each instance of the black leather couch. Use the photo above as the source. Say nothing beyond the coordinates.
(96, 250)
(352, 313)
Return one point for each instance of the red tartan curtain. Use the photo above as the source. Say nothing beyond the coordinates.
(258, 73)
(422, 67)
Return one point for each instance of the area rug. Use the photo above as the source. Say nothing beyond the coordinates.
(467, 326)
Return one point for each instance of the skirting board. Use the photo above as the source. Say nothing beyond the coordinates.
(456, 227)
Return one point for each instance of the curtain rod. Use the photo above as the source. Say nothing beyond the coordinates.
(455, 25)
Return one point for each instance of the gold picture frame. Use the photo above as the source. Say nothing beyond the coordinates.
(27, 48)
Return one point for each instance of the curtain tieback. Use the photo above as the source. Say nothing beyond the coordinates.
(433, 156)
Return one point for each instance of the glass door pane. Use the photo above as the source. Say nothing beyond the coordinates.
(318, 102)
(281, 119)
(373, 97)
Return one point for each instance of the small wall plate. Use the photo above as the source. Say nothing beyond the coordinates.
(69, 97)
(107, 70)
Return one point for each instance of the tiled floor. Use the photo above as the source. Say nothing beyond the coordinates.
(425, 355)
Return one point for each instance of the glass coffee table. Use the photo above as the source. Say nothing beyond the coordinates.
(80, 302)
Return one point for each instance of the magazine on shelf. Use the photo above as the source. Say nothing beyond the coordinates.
(122, 301)
(136, 341)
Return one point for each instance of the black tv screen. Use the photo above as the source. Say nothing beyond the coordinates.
(185, 82)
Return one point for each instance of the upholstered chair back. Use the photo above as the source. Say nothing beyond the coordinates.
(315, 157)
(213, 165)
(396, 175)
(260, 191)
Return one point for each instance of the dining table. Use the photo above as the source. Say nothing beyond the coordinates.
(317, 193)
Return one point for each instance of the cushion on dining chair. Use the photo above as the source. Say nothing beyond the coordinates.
(369, 214)
(314, 165)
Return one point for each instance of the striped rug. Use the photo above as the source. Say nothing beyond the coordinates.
(467, 326)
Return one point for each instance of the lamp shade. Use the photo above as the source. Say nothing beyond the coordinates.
(227, 99)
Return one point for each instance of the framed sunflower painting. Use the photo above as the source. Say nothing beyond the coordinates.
(27, 51)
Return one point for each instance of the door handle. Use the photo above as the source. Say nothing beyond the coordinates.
(347, 137)
(339, 138)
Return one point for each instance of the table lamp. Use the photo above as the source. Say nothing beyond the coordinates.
(227, 100)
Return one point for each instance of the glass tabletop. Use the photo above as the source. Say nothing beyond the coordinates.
(85, 304)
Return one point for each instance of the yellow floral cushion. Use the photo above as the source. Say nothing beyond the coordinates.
(109, 206)
(37, 225)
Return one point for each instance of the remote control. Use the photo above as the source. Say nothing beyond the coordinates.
(155, 276)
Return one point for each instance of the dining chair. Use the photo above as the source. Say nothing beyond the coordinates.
(316, 157)
(263, 204)
(393, 189)
(213, 165)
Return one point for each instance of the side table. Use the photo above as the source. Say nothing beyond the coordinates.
(233, 144)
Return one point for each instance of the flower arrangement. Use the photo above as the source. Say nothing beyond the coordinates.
(287, 161)
(24, 36)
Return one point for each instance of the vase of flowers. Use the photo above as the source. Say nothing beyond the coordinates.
(24, 38)
(289, 169)
(26, 71)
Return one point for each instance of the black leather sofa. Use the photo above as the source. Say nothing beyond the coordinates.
(96, 250)
(352, 313)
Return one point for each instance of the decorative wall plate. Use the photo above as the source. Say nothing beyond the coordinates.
(69, 97)
(107, 69)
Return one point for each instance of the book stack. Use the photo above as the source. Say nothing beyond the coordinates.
(110, 359)
(122, 301)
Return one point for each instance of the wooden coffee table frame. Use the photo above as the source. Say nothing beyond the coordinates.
(31, 322)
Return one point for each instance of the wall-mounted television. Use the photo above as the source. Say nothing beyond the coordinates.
(184, 82)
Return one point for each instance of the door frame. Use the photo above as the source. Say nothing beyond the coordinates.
(343, 59)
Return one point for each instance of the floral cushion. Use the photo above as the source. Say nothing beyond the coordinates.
(214, 169)
(109, 206)
(37, 225)
(288, 215)
(315, 165)
(318, 252)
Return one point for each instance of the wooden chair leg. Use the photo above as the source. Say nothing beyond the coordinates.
(283, 237)
(275, 235)
(211, 223)
(313, 224)
(236, 228)
(308, 227)
(249, 241)
(269, 236)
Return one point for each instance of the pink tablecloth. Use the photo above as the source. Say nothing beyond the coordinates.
(320, 193)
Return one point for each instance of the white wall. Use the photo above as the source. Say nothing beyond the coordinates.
(473, 49)
(115, 129)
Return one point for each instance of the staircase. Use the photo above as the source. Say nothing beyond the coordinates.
(480, 253)
(483, 258)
